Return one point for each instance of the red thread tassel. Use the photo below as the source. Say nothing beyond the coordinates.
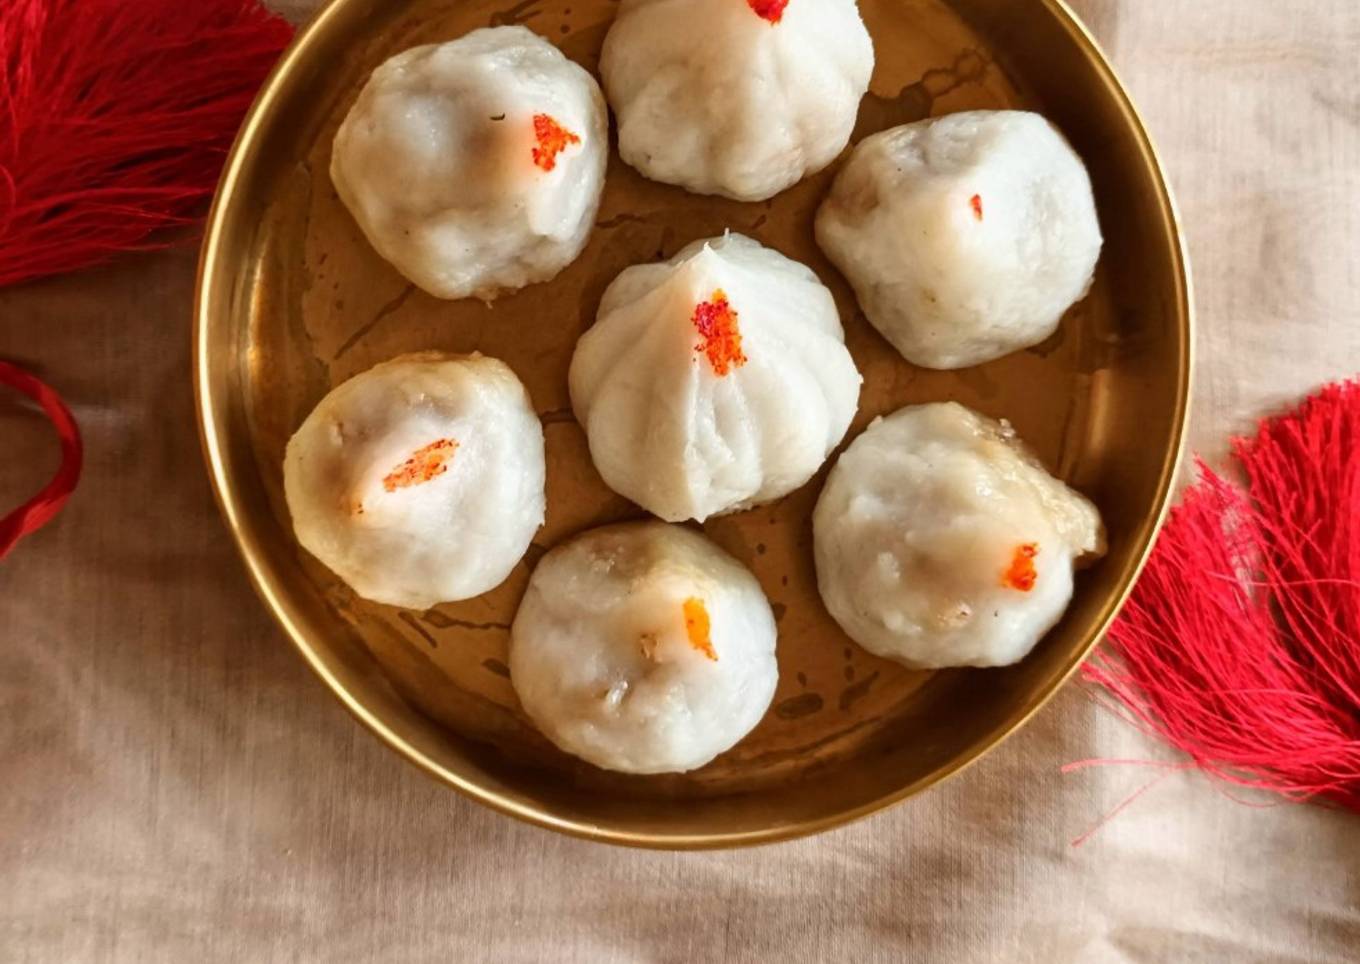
(1240, 646)
(115, 119)
(38, 511)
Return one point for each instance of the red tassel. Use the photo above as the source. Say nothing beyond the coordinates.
(38, 511)
(115, 119)
(1240, 646)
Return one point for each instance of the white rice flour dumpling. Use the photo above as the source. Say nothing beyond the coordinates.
(421, 480)
(714, 381)
(965, 237)
(643, 648)
(475, 166)
(741, 98)
(941, 541)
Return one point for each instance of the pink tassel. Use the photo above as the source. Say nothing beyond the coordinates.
(115, 118)
(1240, 646)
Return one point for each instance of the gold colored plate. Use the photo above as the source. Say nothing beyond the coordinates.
(292, 301)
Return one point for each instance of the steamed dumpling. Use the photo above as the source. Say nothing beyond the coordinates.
(714, 381)
(420, 480)
(735, 97)
(475, 166)
(643, 648)
(941, 541)
(965, 238)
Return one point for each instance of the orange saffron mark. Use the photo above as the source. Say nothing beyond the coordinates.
(552, 139)
(716, 322)
(1021, 575)
(697, 627)
(424, 464)
(976, 203)
(771, 10)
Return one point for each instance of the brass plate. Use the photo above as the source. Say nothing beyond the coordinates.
(292, 301)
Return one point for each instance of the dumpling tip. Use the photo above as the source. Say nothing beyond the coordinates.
(716, 322)
(424, 464)
(771, 10)
(552, 140)
(698, 628)
(1021, 574)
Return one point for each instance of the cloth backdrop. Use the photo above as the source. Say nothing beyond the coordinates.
(176, 786)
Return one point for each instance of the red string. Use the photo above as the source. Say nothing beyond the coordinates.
(38, 511)
(115, 119)
(1240, 645)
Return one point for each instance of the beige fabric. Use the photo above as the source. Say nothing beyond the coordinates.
(175, 786)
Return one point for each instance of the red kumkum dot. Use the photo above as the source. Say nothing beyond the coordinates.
(552, 139)
(771, 10)
(698, 627)
(716, 322)
(976, 203)
(1021, 575)
(424, 464)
